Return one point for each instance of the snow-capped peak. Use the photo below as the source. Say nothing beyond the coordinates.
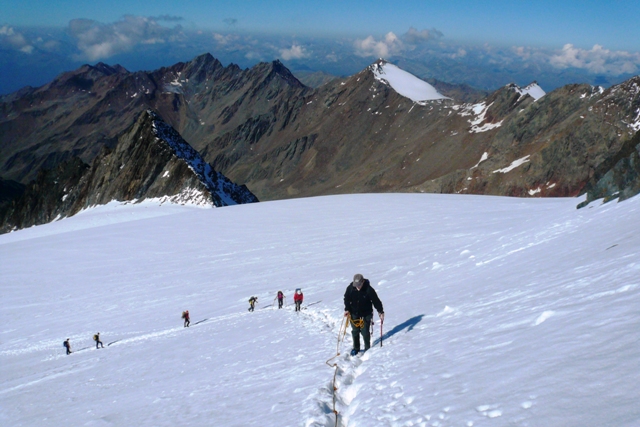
(404, 83)
(533, 90)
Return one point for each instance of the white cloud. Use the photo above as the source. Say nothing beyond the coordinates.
(597, 60)
(13, 39)
(460, 53)
(523, 52)
(295, 52)
(98, 41)
(224, 39)
(385, 48)
(253, 55)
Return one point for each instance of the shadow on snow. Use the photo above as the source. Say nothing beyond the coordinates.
(408, 325)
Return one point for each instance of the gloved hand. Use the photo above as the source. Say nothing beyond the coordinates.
(381, 316)
(346, 313)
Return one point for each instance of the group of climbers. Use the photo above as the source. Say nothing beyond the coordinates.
(67, 344)
(359, 300)
(298, 297)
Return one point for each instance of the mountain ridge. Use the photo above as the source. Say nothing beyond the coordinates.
(263, 128)
(150, 161)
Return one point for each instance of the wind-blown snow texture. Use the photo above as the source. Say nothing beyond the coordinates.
(499, 312)
(406, 84)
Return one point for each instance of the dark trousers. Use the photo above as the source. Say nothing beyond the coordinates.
(298, 304)
(187, 322)
(99, 343)
(279, 303)
(68, 350)
(366, 334)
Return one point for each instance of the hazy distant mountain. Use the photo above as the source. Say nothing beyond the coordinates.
(262, 127)
(314, 79)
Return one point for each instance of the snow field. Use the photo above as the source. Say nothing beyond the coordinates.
(499, 311)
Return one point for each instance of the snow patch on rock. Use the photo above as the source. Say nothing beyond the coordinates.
(513, 165)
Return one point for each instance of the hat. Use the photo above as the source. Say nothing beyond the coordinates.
(358, 280)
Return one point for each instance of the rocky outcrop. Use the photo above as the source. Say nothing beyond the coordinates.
(9, 190)
(618, 177)
(150, 160)
(52, 195)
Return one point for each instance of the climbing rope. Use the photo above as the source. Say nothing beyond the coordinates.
(341, 336)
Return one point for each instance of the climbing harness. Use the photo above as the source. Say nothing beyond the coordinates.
(357, 323)
(341, 335)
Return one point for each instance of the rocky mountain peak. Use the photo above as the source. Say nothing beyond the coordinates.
(108, 70)
(84, 77)
(201, 67)
(278, 69)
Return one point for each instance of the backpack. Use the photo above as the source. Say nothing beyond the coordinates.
(184, 314)
(64, 344)
(95, 337)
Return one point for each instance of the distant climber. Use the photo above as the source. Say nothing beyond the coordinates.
(280, 298)
(96, 338)
(67, 345)
(298, 297)
(359, 300)
(252, 303)
(187, 319)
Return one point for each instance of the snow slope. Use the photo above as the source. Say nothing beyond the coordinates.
(406, 84)
(499, 312)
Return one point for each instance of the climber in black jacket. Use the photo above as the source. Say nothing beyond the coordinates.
(359, 300)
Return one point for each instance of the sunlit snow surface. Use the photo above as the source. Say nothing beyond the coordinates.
(499, 312)
(406, 84)
(534, 90)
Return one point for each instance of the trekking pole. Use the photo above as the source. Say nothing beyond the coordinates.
(381, 322)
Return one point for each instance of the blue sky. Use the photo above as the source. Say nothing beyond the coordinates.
(590, 40)
(613, 24)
